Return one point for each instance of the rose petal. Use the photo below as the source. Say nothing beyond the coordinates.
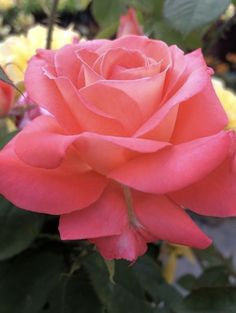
(200, 116)
(44, 134)
(104, 153)
(120, 57)
(215, 195)
(90, 117)
(115, 103)
(193, 85)
(87, 58)
(166, 221)
(105, 217)
(174, 167)
(66, 62)
(69, 187)
(154, 49)
(129, 245)
(43, 91)
(42, 143)
(146, 92)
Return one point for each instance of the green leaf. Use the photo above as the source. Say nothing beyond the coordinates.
(5, 78)
(73, 294)
(80, 296)
(210, 257)
(188, 15)
(213, 277)
(187, 281)
(83, 4)
(108, 32)
(18, 229)
(209, 300)
(125, 294)
(150, 277)
(27, 280)
(5, 139)
(99, 276)
(106, 12)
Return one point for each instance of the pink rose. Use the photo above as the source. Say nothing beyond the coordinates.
(129, 24)
(7, 94)
(136, 134)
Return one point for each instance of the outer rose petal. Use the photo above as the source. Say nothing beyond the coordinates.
(69, 187)
(164, 220)
(44, 134)
(66, 63)
(105, 217)
(153, 218)
(200, 116)
(129, 245)
(212, 196)
(46, 94)
(174, 167)
(193, 84)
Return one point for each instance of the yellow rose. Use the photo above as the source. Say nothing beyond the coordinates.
(228, 101)
(15, 51)
(6, 4)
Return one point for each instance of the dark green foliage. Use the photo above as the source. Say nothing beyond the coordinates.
(18, 229)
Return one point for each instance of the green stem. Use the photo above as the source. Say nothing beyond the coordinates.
(51, 23)
(129, 203)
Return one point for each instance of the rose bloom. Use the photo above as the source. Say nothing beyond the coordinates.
(136, 134)
(7, 94)
(129, 25)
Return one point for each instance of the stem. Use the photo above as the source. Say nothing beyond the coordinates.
(128, 200)
(129, 204)
(51, 23)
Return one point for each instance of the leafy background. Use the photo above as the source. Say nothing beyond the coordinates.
(41, 274)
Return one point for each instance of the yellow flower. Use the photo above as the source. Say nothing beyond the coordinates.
(15, 51)
(228, 100)
(6, 4)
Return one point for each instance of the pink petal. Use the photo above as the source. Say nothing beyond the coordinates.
(105, 217)
(164, 220)
(147, 92)
(66, 62)
(90, 117)
(129, 245)
(43, 91)
(88, 58)
(202, 115)
(121, 57)
(154, 49)
(115, 103)
(42, 143)
(69, 187)
(194, 84)
(215, 195)
(129, 24)
(174, 167)
(103, 153)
